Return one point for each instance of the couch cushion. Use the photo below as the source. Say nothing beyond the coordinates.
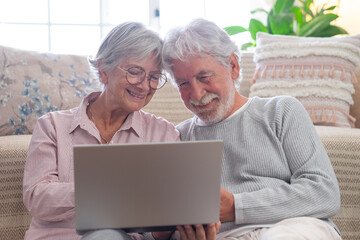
(320, 72)
(355, 109)
(33, 83)
(247, 70)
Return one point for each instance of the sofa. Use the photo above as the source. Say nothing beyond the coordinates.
(33, 83)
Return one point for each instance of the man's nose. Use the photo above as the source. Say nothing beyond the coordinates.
(197, 91)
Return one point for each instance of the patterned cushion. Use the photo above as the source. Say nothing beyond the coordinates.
(247, 70)
(33, 83)
(355, 109)
(320, 72)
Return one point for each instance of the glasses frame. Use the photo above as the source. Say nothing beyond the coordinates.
(163, 76)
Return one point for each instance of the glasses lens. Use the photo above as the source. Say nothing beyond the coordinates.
(157, 81)
(135, 75)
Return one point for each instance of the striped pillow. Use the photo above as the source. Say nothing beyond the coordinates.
(320, 72)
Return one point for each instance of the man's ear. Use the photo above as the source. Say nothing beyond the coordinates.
(235, 66)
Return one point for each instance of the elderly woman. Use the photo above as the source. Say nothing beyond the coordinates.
(128, 63)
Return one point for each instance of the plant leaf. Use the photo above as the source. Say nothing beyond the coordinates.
(256, 26)
(282, 6)
(330, 31)
(306, 8)
(271, 13)
(282, 24)
(247, 45)
(330, 8)
(298, 15)
(317, 24)
(232, 30)
(259, 10)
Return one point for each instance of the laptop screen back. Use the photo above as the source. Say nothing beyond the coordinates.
(147, 187)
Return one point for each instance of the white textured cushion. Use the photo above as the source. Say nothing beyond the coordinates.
(320, 72)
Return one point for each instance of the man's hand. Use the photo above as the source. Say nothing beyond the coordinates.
(227, 206)
(198, 232)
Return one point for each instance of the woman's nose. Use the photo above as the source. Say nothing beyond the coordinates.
(145, 84)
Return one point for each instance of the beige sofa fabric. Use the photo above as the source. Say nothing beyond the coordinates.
(343, 148)
(14, 217)
(167, 104)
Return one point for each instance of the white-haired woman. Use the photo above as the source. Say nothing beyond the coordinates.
(128, 64)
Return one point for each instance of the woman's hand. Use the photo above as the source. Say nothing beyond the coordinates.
(162, 235)
(198, 232)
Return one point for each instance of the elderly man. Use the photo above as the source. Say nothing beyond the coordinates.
(277, 180)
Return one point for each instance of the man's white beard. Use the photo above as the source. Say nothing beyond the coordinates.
(222, 111)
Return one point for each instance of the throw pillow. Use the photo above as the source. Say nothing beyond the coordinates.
(355, 109)
(320, 72)
(247, 69)
(33, 83)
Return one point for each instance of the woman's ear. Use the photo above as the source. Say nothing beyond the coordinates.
(102, 74)
(235, 66)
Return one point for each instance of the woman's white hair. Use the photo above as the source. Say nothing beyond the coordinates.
(127, 40)
(199, 38)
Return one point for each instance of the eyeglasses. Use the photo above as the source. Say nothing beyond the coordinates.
(136, 75)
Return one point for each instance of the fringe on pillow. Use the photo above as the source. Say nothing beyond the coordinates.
(324, 118)
(313, 91)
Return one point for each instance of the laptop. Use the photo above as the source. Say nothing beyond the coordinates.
(147, 187)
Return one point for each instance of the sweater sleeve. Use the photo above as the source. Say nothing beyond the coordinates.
(312, 189)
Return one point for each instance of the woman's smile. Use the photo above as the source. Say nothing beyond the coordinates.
(135, 94)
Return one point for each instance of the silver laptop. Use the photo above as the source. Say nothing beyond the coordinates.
(147, 187)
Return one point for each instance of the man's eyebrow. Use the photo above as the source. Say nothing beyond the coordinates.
(178, 80)
(204, 72)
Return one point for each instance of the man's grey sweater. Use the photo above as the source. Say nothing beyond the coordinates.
(273, 162)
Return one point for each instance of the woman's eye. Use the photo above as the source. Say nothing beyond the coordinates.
(135, 73)
(155, 78)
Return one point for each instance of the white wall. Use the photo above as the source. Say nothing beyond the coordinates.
(349, 16)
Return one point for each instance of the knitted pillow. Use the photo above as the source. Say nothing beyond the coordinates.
(247, 69)
(32, 84)
(355, 109)
(320, 72)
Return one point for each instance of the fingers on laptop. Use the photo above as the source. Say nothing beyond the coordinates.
(198, 232)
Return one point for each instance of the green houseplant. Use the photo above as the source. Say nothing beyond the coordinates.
(286, 18)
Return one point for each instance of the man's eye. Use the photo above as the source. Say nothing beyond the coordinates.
(183, 84)
(204, 78)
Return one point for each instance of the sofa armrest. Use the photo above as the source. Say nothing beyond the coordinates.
(15, 218)
(343, 148)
